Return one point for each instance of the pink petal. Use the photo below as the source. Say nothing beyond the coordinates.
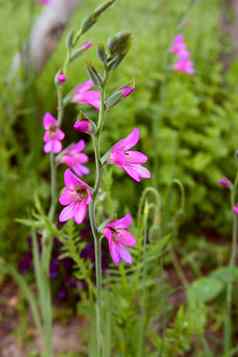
(48, 121)
(67, 213)
(84, 87)
(80, 212)
(124, 254)
(70, 179)
(59, 134)
(107, 233)
(136, 157)
(80, 170)
(66, 197)
(126, 238)
(132, 172)
(53, 146)
(142, 171)
(113, 248)
(79, 146)
(131, 140)
(90, 98)
(123, 222)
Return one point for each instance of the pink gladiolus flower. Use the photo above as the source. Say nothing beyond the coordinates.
(127, 90)
(235, 209)
(178, 45)
(83, 126)
(127, 160)
(76, 197)
(75, 159)
(53, 134)
(119, 239)
(184, 66)
(84, 95)
(225, 182)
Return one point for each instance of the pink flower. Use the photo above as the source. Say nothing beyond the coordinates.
(75, 159)
(76, 196)
(235, 209)
(61, 78)
(83, 126)
(119, 239)
(86, 45)
(178, 45)
(84, 95)
(225, 182)
(184, 66)
(53, 134)
(127, 160)
(127, 90)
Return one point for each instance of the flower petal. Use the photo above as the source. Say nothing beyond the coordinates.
(80, 212)
(136, 157)
(53, 146)
(70, 179)
(126, 238)
(121, 223)
(59, 134)
(84, 87)
(66, 197)
(131, 140)
(67, 213)
(49, 120)
(113, 248)
(124, 254)
(80, 170)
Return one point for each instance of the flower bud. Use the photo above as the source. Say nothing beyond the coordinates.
(83, 126)
(225, 182)
(60, 78)
(127, 90)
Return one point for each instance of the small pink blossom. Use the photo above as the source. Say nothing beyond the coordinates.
(235, 209)
(128, 160)
(127, 90)
(83, 126)
(84, 95)
(225, 182)
(119, 239)
(184, 66)
(74, 157)
(53, 134)
(76, 197)
(86, 45)
(178, 45)
(61, 78)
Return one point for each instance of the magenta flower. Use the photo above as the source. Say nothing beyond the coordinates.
(235, 209)
(83, 126)
(184, 66)
(128, 160)
(86, 45)
(183, 63)
(44, 2)
(53, 134)
(75, 159)
(225, 182)
(76, 196)
(178, 45)
(84, 95)
(119, 239)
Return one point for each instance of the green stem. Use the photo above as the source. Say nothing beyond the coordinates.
(228, 317)
(92, 219)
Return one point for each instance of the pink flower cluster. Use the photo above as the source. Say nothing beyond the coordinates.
(183, 63)
(77, 194)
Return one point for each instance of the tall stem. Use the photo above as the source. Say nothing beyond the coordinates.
(228, 317)
(92, 219)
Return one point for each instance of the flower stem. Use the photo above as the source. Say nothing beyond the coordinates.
(92, 219)
(228, 318)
